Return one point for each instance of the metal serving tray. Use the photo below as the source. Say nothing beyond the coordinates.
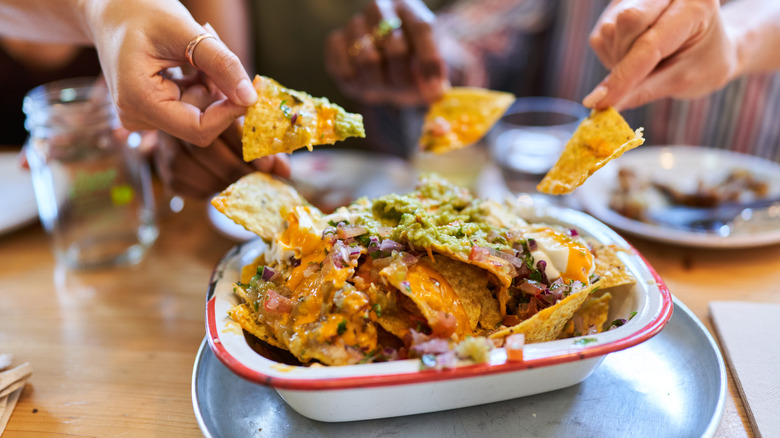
(673, 385)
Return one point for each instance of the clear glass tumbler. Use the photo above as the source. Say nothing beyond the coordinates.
(530, 137)
(92, 186)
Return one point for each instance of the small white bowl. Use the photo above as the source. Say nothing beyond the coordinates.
(389, 389)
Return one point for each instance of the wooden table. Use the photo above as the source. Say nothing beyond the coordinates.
(113, 350)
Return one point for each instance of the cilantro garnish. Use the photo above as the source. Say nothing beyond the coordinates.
(285, 109)
(427, 361)
(585, 341)
(342, 327)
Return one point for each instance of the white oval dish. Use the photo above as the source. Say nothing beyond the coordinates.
(682, 167)
(389, 389)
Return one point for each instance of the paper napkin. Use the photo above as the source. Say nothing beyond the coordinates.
(750, 336)
(11, 385)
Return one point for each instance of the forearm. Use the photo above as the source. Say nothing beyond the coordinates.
(754, 25)
(60, 21)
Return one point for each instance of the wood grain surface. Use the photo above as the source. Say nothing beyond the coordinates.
(113, 350)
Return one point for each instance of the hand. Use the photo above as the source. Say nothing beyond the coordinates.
(661, 48)
(388, 54)
(199, 172)
(136, 41)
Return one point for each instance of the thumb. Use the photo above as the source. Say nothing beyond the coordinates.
(224, 69)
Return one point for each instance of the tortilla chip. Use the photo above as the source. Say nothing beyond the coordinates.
(397, 323)
(431, 292)
(593, 313)
(248, 321)
(601, 137)
(257, 202)
(547, 324)
(283, 120)
(609, 267)
(470, 284)
(461, 117)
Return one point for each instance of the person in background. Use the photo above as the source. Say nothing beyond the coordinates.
(286, 43)
(699, 73)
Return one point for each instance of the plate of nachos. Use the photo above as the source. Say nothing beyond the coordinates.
(423, 301)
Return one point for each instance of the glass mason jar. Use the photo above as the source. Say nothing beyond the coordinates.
(92, 186)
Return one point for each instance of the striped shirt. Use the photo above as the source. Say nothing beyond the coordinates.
(744, 116)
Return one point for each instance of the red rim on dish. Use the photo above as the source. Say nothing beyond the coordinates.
(646, 332)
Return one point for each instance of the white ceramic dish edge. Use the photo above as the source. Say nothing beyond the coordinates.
(399, 388)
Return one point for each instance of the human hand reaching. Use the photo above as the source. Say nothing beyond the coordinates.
(199, 172)
(137, 41)
(661, 48)
(388, 54)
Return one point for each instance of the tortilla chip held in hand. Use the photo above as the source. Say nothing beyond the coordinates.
(283, 120)
(257, 202)
(601, 137)
(461, 117)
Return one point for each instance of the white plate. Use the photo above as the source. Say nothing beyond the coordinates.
(377, 390)
(17, 199)
(682, 167)
(331, 178)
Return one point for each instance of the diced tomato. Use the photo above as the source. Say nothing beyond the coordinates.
(277, 303)
(445, 325)
(514, 347)
(511, 320)
(479, 254)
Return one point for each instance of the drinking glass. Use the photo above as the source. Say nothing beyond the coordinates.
(92, 186)
(530, 137)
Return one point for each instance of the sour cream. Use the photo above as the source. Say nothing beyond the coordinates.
(566, 256)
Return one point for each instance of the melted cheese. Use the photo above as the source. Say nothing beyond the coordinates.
(431, 291)
(567, 257)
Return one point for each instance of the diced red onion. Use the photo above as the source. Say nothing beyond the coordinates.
(410, 259)
(311, 270)
(446, 360)
(532, 244)
(433, 346)
(347, 231)
(557, 283)
(515, 261)
(417, 337)
(268, 273)
(616, 323)
(573, 232)
(530, 288)
(388, 245)
(541, 265)
(277, 303)
(384, 231)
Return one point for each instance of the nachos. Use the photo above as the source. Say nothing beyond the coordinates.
(435, 271)
(461, 117)
(283, 120)
(600, 138)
